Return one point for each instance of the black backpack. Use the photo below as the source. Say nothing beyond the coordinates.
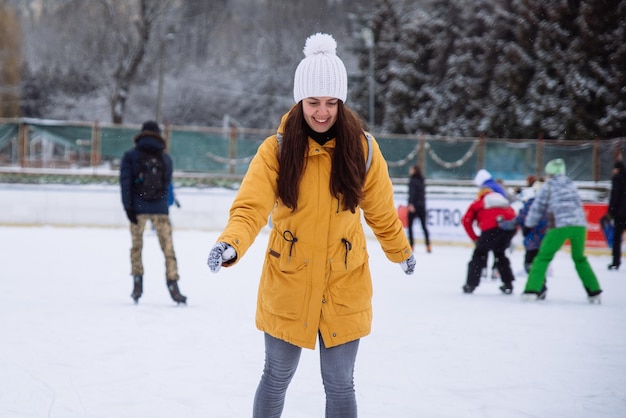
(150, 184)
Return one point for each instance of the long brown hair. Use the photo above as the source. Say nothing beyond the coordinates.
(348, 161)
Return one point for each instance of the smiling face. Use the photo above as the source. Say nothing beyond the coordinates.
(320, 113)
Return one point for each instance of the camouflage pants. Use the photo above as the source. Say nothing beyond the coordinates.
(164, 232)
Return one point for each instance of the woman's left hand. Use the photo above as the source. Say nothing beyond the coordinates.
(408, 265)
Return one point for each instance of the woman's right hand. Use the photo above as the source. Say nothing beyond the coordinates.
(219, 254)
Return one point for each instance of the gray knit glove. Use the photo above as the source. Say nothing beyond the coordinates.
(408, 265)
(220, 253)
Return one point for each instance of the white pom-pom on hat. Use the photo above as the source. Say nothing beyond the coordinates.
(320, 43)
(321, 73)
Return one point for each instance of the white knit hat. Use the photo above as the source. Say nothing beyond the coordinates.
(321, 73)
(481, 177)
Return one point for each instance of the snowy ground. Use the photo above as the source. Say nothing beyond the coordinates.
(74, 345)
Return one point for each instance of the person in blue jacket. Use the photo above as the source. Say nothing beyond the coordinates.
(143, 204)
(532, 236)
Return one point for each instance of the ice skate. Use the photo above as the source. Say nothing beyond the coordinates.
(507, 288)
(597, 299)
(172, 286)
(468, 288)
(531, 296)
(594, 297)
(137, 287)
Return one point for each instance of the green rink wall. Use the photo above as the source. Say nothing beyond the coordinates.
(228, 150)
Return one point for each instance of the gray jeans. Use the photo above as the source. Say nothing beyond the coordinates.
(281, 362)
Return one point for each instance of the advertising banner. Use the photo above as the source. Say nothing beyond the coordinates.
(443, 219)
(593, 213)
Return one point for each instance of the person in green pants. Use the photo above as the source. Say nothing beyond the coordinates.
(560, 199)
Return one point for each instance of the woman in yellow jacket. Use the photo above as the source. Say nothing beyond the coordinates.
(315, 178)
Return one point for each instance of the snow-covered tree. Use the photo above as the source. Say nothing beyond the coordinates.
(440, 67)
(573, 47)
(383, 21)
(234, 57)
(505, 68)
(602, 26)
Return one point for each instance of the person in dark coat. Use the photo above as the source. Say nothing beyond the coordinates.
(617, 211)
(417, 204)
(140, 209)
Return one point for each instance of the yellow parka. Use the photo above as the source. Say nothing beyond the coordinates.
(316, 274)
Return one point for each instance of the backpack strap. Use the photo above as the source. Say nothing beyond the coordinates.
(368, 162)
(279, 139)
(368, 136)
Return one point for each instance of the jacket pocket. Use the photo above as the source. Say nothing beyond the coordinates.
(350, 284)
(284, 285)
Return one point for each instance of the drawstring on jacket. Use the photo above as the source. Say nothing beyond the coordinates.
(348, 245)
(289, 237)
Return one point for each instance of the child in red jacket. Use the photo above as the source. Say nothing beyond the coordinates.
(494, 217)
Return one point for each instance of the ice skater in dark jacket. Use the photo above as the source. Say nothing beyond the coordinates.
(417, 204)
(617, 211)
(145, 178)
